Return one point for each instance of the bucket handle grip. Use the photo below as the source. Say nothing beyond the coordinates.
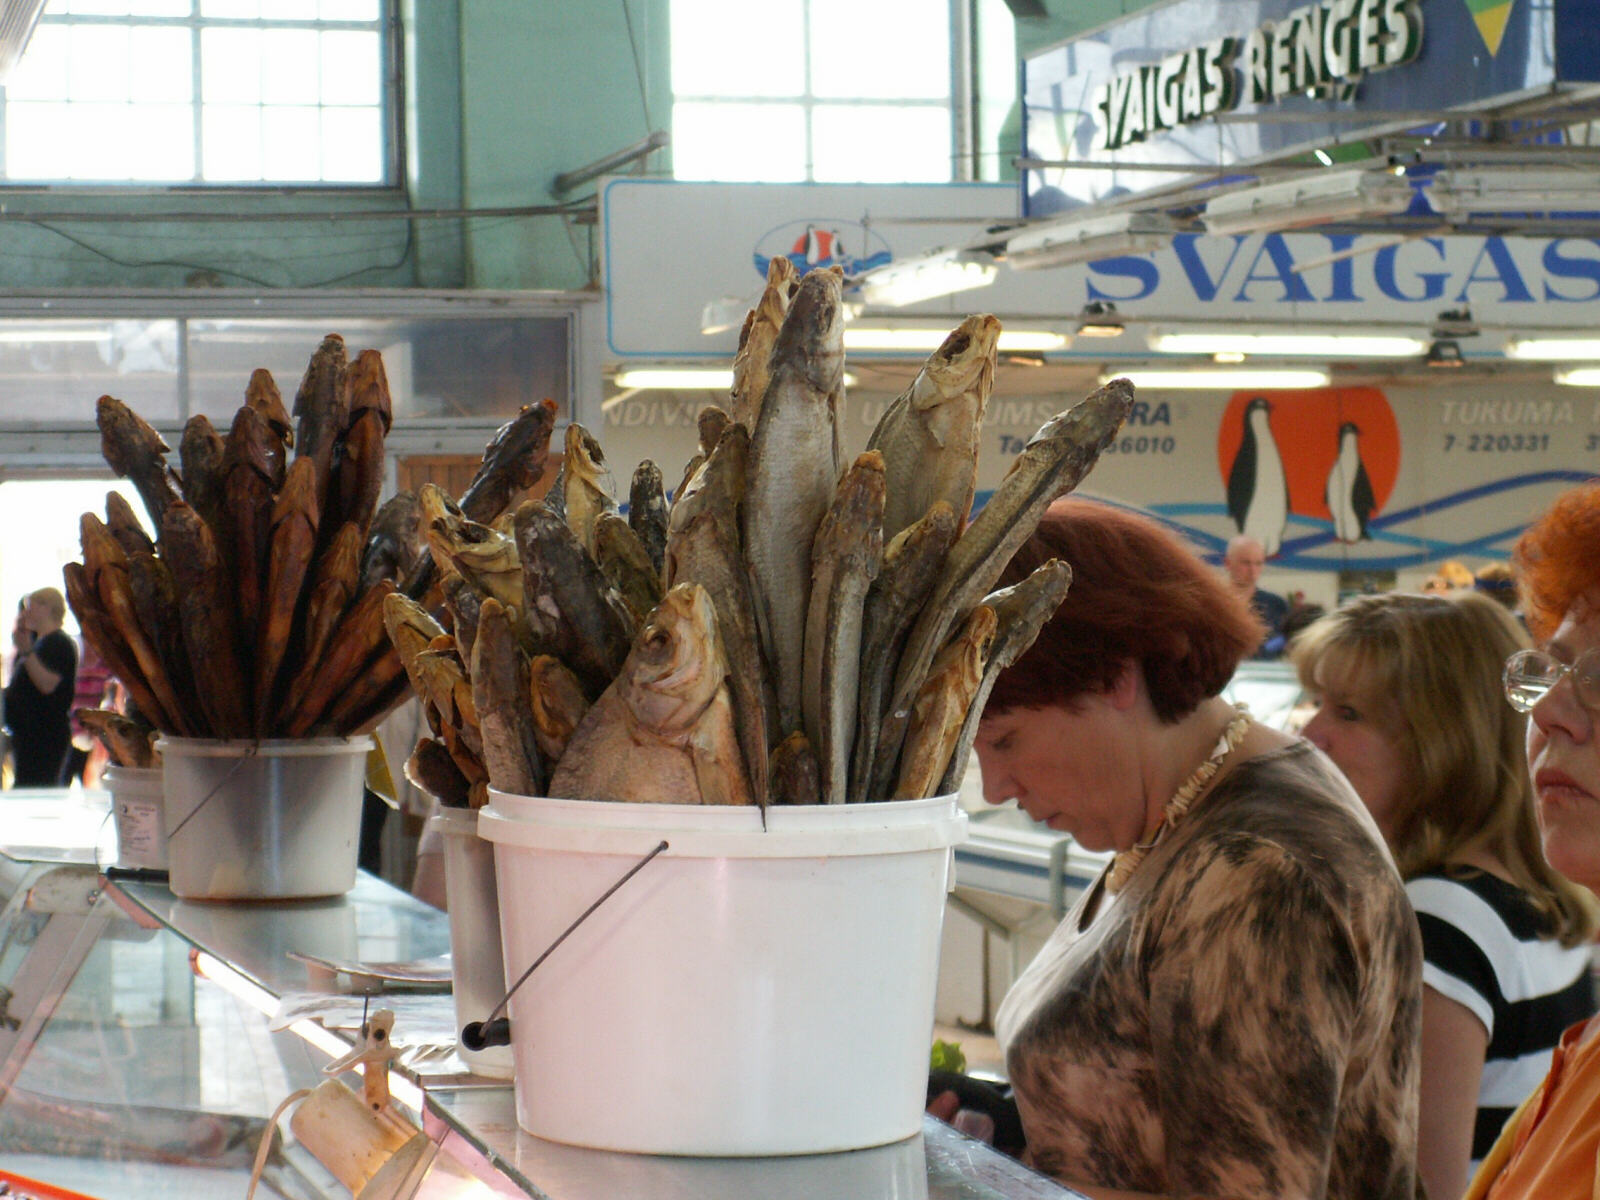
(495, 1030)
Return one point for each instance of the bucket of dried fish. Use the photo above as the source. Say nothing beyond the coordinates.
(136, 803)
(716, 975)
(276, 819)
(477, 966)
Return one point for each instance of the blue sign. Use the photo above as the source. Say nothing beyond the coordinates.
(1144, 90)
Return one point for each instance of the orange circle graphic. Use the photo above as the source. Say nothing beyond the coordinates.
(1306, 425)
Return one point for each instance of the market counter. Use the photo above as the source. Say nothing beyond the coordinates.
(177, 1109)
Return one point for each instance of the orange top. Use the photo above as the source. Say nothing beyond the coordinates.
(1553, 1155)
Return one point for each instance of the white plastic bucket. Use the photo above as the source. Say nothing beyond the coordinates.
(477, 966)
(748, 992)
(136, 804)
(267, 820)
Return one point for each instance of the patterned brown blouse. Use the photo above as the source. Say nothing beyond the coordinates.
(1242, 1019)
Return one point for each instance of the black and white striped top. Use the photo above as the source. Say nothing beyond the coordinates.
(1486, 947)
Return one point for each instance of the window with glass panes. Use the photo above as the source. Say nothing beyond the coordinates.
(822, 90)
(228, 92)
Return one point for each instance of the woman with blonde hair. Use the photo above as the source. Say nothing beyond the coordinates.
(1411, 708)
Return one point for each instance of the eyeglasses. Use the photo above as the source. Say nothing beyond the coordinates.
(1530, 674)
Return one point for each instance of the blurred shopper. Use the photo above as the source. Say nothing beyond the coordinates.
(1412, 710)
(90, 688)
(1232, 1008)
(1244, 561)
(39, 696)
(1548, 1149)
(1495, 581)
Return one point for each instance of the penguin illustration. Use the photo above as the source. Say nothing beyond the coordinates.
(1349, 491)
(1258, 489)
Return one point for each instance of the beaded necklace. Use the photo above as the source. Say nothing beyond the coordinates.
(1126, 863)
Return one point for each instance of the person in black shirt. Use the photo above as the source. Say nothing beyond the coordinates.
(39, 696)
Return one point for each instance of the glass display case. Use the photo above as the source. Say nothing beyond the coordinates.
(146, 1043)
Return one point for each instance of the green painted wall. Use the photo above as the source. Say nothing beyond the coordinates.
(499, 96)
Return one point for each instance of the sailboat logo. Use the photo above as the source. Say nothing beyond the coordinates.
(811, 244)
(1490, 16)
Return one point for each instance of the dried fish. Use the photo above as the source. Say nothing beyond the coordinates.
(751, 368)
(262, 394)
(587, 486)
(432, 769)
(845, 559)
(358, 640)
(571, 609)
(129, 743)
(465, 603)
(1050, 466)
(929, 434)
(252, 471)
(624, 561)
(911, 566)
(107, 573)
(332, 586)
(321, 411)
(558, 704)
(155, 602)
(794, 465)
(1020, 612)
(662, 733)
(124, 525)
(703, 548)
(221, 674)
(394, 540)
(941, 706)
(647, 512)
(201, 453)
(501, 690)
(361, 451)
(710, 424)
(102, 634)
(513, 462)
(135, 451)
(294, 541)
(795, 776)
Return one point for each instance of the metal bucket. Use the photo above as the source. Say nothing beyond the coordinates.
(267, 820)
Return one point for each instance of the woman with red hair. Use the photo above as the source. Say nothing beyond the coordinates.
(1232, 1008)
(1549, 1148)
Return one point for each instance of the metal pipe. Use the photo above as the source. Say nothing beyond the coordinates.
(654, 140)
(963, 138)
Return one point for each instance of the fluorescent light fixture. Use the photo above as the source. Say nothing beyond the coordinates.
(1070, 240)
(927, 277)
(1311, 345)
(1578, 376)
(712, 379)
(930, 338)
(1099, 319)
(1222, 380)
(1514, 190)
(718, 379)
(1317, 199)
(1555, 349)
(723, 314)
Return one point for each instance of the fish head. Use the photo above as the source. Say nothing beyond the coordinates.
(676, 664)
(811, 340)
(262, 394)
(962, 365)
(710, 424)
(584, 457)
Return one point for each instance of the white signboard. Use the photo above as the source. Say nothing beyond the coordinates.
(672, 248)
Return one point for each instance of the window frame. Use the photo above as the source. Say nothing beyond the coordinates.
(391, 109)
(808, 102)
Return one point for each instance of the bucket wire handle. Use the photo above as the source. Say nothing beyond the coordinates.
(495, 1030)
(250, 752)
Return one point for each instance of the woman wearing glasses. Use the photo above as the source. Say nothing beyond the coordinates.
(1413, 712)
(1548, 1149)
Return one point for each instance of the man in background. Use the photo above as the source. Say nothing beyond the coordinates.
(39, 696)
(1244, 562)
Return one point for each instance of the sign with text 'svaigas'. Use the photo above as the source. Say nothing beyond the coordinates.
(1142, 90)
(673, 248)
